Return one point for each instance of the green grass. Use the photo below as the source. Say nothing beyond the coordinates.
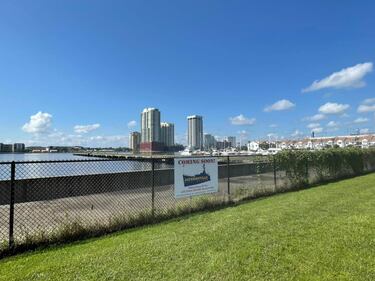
(322, 233)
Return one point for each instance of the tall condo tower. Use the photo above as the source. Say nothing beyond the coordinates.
(135, 141)
(150, 125)
(150, 130)
(232, 141)
(209, 142)
(195, 131)
(167, 134)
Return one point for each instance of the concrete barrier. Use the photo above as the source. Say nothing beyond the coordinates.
(40, 189)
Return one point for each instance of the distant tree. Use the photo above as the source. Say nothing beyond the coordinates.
(122, 149)
(176, 147)
(264, 145)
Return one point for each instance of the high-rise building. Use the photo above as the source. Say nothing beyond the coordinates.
(224, 144)
(135, 141)
(209, 142)
(6, 147)
(150, 125)
(232, 141)
(150, 130)
(195, 132)
(167, 134)
(18, 147)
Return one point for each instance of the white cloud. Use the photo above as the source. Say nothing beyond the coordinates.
(296, 133)
(242, 120)
(38, 124)
(219, 138)
(350, 77)
(332, 124)
(316, 117)
(110, 140)
(364, 131)
(56, 134)
(243, 133)
(132, 124)
(93, 141)
(344, 115)
(273, 126)
(333, 108)
(280, 105)
(360, 120)
(313, 125)
(333, 129)
(369, 101)
(366, 108)
(57, 137)
(317, 130)
(272, 135)
(83, 129)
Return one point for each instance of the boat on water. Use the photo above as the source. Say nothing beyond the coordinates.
(197, 179)
(186, 152)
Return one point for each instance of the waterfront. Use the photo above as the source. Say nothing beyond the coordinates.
(7, 157)
(57, 169)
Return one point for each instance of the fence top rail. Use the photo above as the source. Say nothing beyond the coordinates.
(131, 158)
(63, 161)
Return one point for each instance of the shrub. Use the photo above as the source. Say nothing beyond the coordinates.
(326, 164)
(295, 164)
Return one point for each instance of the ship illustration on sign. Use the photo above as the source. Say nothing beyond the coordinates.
(197, 179)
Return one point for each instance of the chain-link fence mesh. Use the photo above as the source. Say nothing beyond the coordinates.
(251, 176)
(55, 198)
(52, 196)
(4, 202)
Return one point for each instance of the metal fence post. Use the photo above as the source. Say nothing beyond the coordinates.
(153, 187)
(307, 170)
(274, 171)
(228, 174)
(11, 204)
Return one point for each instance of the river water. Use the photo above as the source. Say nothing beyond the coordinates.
(43, 170)
(6, 157)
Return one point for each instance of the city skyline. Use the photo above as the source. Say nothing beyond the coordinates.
(184, 139)
(252, 71)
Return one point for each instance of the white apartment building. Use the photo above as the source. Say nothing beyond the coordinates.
(362, 141)
(134, 141)
(253, 146)
(150, 125)
(195, 131)
(167, 133)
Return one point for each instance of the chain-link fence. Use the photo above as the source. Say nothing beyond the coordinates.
(5, 177)
(45, 201)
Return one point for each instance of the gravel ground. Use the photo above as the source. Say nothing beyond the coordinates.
(33, 217)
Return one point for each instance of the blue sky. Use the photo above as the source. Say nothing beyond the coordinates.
(77, 72)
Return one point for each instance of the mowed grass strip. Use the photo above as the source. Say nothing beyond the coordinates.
(322, 233)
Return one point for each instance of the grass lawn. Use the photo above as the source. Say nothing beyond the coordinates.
(323, 233)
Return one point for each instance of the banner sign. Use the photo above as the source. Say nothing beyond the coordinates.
(195, 176)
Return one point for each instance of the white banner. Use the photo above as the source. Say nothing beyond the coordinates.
(195, 176)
